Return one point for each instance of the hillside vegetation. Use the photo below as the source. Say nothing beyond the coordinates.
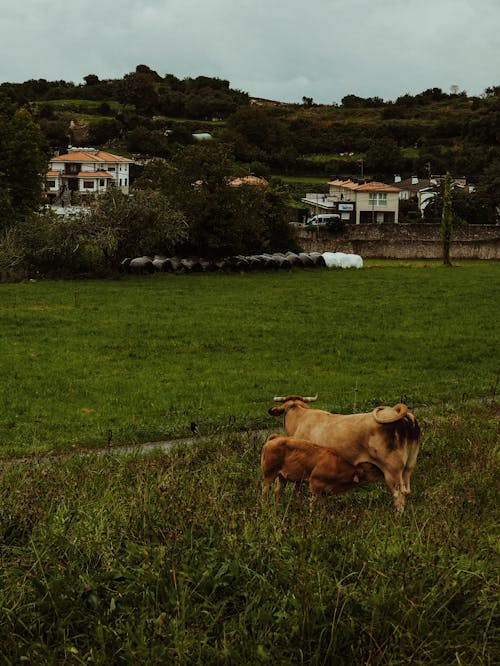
(432, 131)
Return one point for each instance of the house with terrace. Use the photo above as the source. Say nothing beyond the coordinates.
(85, 171)
(356, 203)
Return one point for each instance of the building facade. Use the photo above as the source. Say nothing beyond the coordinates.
(85, 171)
(357, 203)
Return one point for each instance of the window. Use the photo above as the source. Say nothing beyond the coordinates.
(101, 182)
(88, 184)
(377, 198)
(51, 183)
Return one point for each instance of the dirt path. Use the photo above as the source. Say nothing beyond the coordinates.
(128, 449)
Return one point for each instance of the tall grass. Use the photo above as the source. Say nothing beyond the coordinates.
(92, 363)
(176, 559)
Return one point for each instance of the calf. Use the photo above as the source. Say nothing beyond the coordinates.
(286, 459)
(388, 437)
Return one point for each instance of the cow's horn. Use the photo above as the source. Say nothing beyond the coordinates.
(312, 398)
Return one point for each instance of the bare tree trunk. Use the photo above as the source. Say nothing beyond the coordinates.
(447, 220)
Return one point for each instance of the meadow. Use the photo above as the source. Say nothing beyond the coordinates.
(173, 557)
(146, 357)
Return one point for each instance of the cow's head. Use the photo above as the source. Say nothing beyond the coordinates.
(365, 472)
(290, 401)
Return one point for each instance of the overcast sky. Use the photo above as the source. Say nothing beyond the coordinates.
(278, 49)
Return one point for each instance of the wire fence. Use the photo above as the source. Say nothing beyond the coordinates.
(134, 428)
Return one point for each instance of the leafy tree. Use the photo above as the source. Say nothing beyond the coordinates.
(11, 250)
(259, 136)
(56, 245)
(23, 160)
(146, 142)
(139, 89)
(103, 130)
(145, 223)
(55, 132)
(382, 155)
(223, 219)
(147, 71)
(488, 191)
(91, 79)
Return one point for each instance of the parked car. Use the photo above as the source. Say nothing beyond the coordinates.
(318, 220)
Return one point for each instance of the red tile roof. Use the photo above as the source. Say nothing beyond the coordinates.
(376, 187)
(98, 156)
(364, 187)
(248, 180)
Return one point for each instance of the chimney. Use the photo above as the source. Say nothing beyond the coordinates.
(397, 178)
(414, 180)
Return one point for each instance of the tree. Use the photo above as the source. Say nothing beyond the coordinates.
(145, 223)
(23, 160)
(103, 130)
(91, 79)
(223, 219)
(139, 89)
(383, 156)
(447, 219)
(488, 190)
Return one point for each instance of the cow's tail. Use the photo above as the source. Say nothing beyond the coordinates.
(390, 414)
(406, 432)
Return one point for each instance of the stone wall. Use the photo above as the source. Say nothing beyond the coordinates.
(404, 241)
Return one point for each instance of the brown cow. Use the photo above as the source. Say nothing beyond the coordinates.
(287, 459)
(388, 438)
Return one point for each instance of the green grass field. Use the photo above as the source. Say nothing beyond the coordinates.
(145, 357)
(174, 558)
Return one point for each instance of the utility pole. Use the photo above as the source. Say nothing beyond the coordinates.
(361, 163)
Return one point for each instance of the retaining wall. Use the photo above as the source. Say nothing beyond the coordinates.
(404, 241)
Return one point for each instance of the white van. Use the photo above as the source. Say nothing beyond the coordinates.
(322, 219)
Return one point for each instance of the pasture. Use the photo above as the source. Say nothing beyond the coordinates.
(85, 364)
(174, 558)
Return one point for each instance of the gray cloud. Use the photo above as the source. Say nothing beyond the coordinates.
(324, 49)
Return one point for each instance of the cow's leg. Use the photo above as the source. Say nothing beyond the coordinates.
(410, 464)
(317, 492)
(279, 486)
(265, 484)
(394, 481)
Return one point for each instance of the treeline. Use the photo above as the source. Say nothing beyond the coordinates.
(151, 115)
(149, 93)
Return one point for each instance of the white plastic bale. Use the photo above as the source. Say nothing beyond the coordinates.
(342, 260)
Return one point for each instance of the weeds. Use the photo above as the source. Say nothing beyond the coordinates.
(175, 558)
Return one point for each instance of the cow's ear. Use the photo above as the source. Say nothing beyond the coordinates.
(355, 478)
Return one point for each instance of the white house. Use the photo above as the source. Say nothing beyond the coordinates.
(357, 203)
(85, 171)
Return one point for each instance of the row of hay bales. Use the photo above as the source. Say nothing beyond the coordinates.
(254, 262)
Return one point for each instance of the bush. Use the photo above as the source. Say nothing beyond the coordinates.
(57, 245)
